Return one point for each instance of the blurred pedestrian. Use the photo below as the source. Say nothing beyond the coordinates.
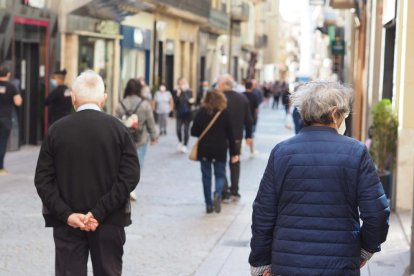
(59, 100)
(254, 110)
(241, 120)
(212, 148)
(163, 105)
(133, 102)
(200, 95)
(146, 91)
(257, 91)
(316, 188)
(280, 87)
(9, 98)
(183, 99)
(266, 94)
(86, 169)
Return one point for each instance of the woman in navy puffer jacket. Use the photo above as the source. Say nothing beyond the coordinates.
(315, 189)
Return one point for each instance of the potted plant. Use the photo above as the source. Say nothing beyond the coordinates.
(384, 141)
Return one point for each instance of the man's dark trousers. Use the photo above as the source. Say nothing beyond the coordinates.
(234, 175)
(5, 129)
(73, 247)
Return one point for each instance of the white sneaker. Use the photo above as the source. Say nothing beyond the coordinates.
(254, 154)
(133, 196)
(184, 149)
(179, 147)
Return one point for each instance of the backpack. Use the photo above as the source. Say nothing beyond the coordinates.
(131, 121)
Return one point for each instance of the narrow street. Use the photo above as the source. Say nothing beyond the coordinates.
(171, 234)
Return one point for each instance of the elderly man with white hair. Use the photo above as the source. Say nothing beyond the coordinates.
(317, 187)
(86, 169)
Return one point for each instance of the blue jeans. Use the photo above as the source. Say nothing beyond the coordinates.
(141, 151)
(220, 176)
(5, 129)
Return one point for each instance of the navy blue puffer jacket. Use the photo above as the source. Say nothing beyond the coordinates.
(306, 216)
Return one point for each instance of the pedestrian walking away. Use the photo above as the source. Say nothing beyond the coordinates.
(213, 146)
(183, 99)
(254, 111)
(316, 188)
(163, 104)
(146, 132)
(59, 100)
(9, 98)
(86, 169)
(241, 120)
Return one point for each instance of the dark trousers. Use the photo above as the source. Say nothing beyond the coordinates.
(183, 124)
(73, 246)
(5, 129)
(219, 174)
(234, 176)
(275, 101)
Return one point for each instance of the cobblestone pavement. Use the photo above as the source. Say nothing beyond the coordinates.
(170, 234)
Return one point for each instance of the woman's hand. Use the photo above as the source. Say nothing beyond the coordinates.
(235, 159)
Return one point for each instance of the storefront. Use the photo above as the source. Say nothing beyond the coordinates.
(94, 44)
(28, 47)
(135, 53)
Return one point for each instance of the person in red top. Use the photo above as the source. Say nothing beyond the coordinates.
(9, 97)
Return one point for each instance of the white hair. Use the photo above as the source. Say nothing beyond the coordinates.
(316, 100)
(227, 81)
(89, 85)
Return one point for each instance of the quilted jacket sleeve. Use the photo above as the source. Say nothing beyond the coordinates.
(373, 206)
(264, 218)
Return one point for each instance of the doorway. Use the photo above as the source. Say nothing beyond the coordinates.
(27, 72)
(169, 76)
(388, 77)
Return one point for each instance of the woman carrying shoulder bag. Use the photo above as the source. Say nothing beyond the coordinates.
(212, 148)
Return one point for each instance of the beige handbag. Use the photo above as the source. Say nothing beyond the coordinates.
(194, 150)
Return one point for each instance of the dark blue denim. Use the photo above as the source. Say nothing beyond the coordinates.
(219, 174)
(5, 129)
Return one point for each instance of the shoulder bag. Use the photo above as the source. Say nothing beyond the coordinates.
(194, 150)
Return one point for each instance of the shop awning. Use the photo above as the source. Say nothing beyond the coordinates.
(115, 10)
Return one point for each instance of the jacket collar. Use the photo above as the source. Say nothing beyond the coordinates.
(319, 128)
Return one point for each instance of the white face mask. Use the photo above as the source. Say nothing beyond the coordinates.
(342, 127)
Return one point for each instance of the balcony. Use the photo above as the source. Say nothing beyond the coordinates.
(219, 22)
(240, 11)
(198, 7)
(260, 41)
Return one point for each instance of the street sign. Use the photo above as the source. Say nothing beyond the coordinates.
(338, 47)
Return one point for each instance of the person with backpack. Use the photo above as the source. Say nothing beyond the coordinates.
(133, 108)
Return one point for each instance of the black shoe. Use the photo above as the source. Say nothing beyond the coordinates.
(235, 196)
(209, 209)
(217, 203)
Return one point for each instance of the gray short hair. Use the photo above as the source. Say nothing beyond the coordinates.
(89, 86)
(226, 80)
(315, 101)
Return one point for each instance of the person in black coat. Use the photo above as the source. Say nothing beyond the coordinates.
(241, 121)
(86, 169)
(59, 100)
(212, 148)
(183, 100)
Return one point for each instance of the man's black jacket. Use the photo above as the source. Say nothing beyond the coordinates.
(88, 162)
(240, 115)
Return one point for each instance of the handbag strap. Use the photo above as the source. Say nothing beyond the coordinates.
(209, 125)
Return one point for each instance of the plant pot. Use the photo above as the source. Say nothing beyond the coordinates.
(386, 180)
